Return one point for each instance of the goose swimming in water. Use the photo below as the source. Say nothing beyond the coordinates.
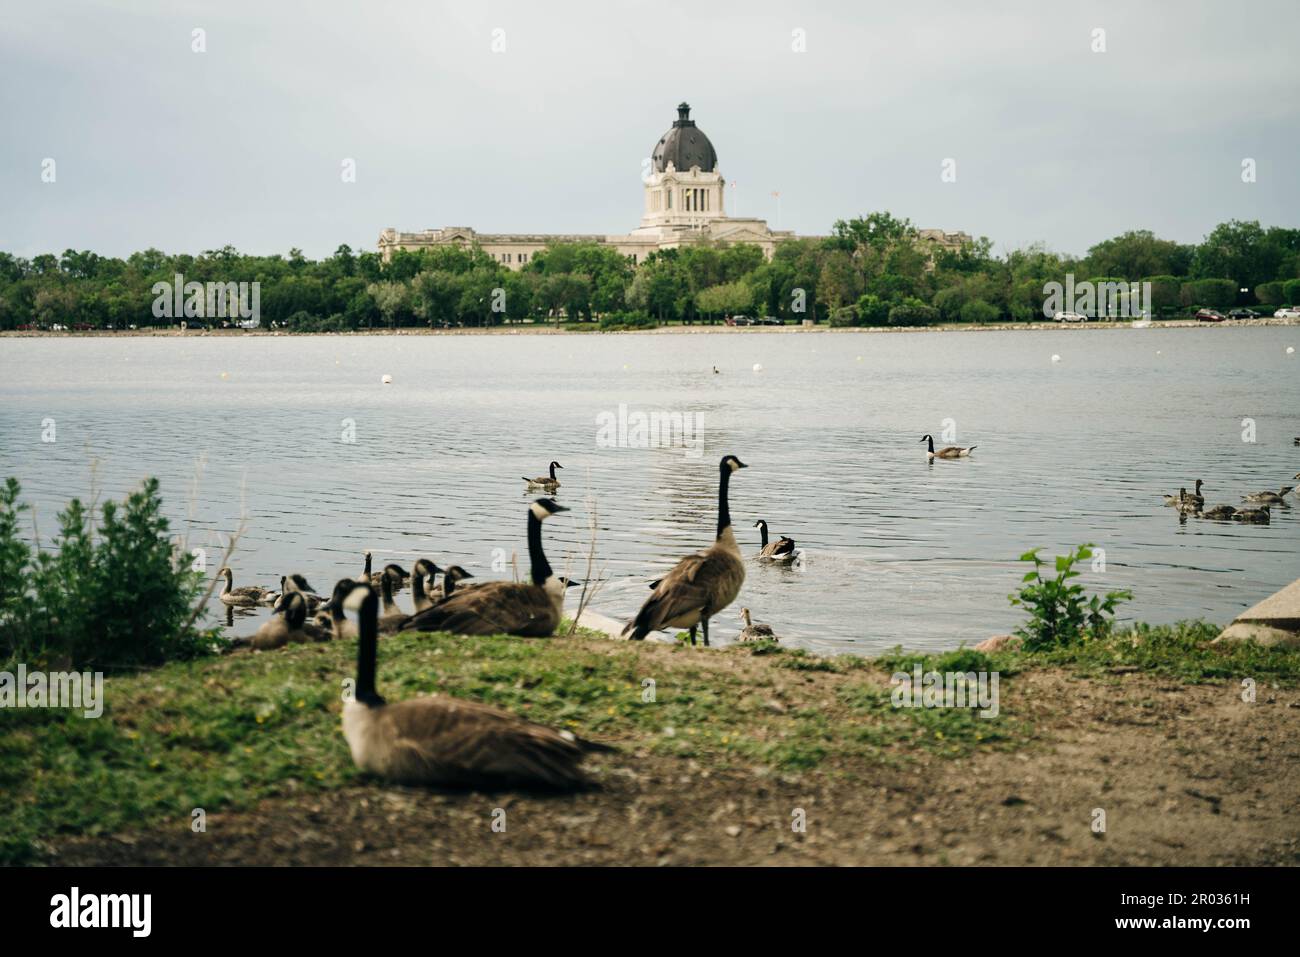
(1219, 512)
(700, 585)
(1269, 498)
(755, 632)
(781, 550)
(442, 740)
(245, 596)
(1196, 496)
(376, 578)
(298, 583)
(531, 609)
(949, 452)
(1259, 516)
(544, 483)
(1185, 504)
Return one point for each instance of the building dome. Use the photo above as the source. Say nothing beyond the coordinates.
(685, 145)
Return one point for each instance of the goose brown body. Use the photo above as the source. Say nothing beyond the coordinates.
(700, 585)
(780, 550)
(947, 452)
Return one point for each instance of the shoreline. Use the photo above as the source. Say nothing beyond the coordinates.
(591, 329)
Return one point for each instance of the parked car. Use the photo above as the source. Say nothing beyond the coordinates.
(1243, 314)
(1287, 312)
(770, 321)
(1209, 315)
(740, 321)
(1070, 317)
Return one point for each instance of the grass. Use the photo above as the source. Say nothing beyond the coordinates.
(223, 733)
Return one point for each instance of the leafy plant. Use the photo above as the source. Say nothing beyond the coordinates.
(1060, 613)
(115, 596)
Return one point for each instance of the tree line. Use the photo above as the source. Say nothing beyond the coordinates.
(871, 270)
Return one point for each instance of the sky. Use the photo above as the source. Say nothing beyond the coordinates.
(536, 117)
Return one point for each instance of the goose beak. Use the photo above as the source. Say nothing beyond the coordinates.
(560, 508)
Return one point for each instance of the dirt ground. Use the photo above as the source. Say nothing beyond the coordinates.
(1185, 774)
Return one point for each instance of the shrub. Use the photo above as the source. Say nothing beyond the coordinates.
(1059, 612)
(1291, 291)
(844, 316)
(913, 312)
(1216, 293)
(872, 310)
(115, 594)
(1270, 293)
(613, 321)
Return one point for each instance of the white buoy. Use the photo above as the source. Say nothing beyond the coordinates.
(1290, 350)
(1056, 358)
(387, 380)
(758, 367)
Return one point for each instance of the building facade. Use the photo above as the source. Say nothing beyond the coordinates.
(684, 202)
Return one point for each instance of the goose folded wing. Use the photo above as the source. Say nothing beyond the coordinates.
(683, 591)
(492, 608)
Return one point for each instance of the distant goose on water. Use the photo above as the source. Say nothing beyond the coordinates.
(1259, 516)
(755, 632)
(530, 609)
(442, 740)
(1196, 496)
(700, 585)
(245, 596)
(375, 578)
(781, 550)
(544, 483)
(1269, 498)
(948, 452)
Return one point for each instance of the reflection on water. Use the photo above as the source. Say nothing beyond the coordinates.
(897, 551)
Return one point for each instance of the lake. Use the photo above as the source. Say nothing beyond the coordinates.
(896, 551)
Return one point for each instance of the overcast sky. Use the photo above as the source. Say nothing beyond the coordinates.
(157, 145)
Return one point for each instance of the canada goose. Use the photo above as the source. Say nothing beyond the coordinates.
(1196, 496)
(422, 575)
(700, 585)
(781, 550)
(544, 483)
(245, 596)
(1268, 498)
(375, 578)
(949, 452)
(390, 617)
(289, 624)
(297, 583)
(1219, 512)
(1257, 515)
(1187, 505)
(531, 609)
(332, 610)
(753, 632)
(450, 577)
(449, 741)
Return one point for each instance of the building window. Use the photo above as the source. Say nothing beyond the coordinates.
(668, 194)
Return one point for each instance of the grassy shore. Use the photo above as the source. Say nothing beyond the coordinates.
(592, 328)
(1149, 725)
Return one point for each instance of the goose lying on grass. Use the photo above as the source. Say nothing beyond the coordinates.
(448, 741)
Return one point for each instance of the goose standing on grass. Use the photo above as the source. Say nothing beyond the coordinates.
(948, 452)
(449, 741)
(1268, 498)
(1259, 516)
(544, 483)
(531, 609)
(289, 625)
(1196, 496)
(700, 585)
(245, 596)
(1219, 512)
(755, 632)
(781, 550)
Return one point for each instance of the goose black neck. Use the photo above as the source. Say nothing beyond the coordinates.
(386, 588)
(724, 510)
(762, 530)
(552, 471)
(367, 564)
(541, 568)
(930, 442)
(367, 650)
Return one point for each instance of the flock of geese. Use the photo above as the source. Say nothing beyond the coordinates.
(1193, 503)
(448, 741)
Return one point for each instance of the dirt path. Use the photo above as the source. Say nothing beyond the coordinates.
(1186, 774)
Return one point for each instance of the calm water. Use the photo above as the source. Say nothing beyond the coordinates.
(897, 551)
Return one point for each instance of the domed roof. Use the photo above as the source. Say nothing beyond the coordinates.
(685, 145)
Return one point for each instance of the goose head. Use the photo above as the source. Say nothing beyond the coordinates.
(544, 508)
(294, 608)
(395, 572)
(744, 616)
(425, 568)
(760, 524)
(556, 465)
(456, 573)
(927, 438)
(730, 463)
